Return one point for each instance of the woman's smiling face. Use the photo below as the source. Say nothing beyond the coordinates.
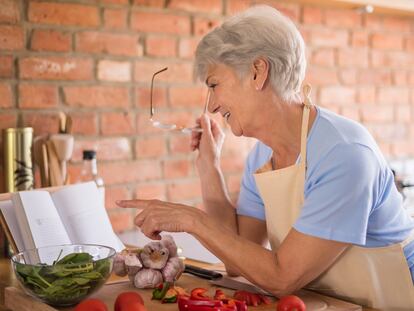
(231, 97)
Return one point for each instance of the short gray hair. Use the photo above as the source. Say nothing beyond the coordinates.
(260, 31)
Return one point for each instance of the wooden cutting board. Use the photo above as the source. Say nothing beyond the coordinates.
(17, 300)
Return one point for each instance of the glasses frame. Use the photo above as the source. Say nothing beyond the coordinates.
(172, 127)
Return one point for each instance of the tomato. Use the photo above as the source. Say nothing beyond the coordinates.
(91, 305)
(291, 303)
(127, 301)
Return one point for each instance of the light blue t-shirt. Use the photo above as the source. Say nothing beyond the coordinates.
(350, 195)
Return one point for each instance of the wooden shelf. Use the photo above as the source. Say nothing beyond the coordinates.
(394, 7)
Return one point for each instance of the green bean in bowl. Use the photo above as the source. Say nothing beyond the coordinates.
(63, 275)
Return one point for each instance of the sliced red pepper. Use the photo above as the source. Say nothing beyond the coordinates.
(219, 295)
(198, 294)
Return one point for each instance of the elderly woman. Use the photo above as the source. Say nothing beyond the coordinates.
(315, 185)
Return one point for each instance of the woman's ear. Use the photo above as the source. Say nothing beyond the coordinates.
(260, 73)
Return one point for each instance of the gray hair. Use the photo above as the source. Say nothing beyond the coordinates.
(260, 31)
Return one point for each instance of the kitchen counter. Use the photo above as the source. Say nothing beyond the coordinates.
(7, 278)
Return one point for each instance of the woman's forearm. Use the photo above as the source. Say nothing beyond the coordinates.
(216, 200)
(243, 256)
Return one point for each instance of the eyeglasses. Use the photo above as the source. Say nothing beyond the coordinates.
(172, 127)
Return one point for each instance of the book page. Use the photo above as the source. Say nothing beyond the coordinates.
(84, 216)
(38, 219)
(7, 209)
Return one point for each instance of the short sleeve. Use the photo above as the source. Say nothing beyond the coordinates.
(340, 193)
(249, 202)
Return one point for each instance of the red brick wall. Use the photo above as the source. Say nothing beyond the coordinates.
(94, 60)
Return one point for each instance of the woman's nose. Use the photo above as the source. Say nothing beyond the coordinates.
(211, 104)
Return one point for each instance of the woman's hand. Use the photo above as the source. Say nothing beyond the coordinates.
(157, 216)
(208, 143)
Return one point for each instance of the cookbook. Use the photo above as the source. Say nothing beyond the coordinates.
(74, 214)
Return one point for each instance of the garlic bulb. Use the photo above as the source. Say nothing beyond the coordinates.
(154, 255)
(119, 265)
(168, 242)
(132, 264)
(147, 278)
(173, 269)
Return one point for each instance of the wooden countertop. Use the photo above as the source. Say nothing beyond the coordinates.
(7, 278)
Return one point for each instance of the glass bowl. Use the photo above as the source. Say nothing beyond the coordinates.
(63, 275)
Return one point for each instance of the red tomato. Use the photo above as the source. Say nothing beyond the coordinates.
(128, 301)
(91, 305)
(291, 303)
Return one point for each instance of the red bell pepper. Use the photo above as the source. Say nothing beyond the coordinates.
(251, 299)
(198, 294)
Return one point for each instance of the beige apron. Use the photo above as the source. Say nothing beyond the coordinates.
(374, 277)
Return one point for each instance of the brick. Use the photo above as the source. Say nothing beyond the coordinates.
(161, 46)
(6, 66)
(374, 77)
(384, 59)
(323, 57)
(312, 15)
(236, 6)
(366, 95)
(402, 148)
(114, 123)
(290, 10)
(116, 71)
(203, 25)
(56, 68)
(351, 113)
(9, 12)
(126, 172)
(113, 194)
(115, 18)
(387, 41)
(84, 123)
(393, 95)
(360, 38)
(115, 1)
(50, 40)
(184, 190)
(106, 149)
(37, 96)
(151, 146)
(343, 18)
(400, 77)
(187, 47)
(42, 123)
(179, 144)
(377, 113)
(177, 72)
(409, 44)
(11, 38)
(348, 76)
(206, 6)
(329, 37)
(188, 97)
(397, 24)
(150, 191)
(159, 98)
(149, 3)
(108, 43)
(337, 94)
(6, 96)
(68, 14)
(358, 58)
(373, 22)
(321, 76)
(177, 169)
(7, 119)
(403, 113)
(160, 22)
(121, 220)
(96, 96)
(144, 125)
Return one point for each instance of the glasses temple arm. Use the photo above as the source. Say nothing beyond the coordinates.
(152, 87)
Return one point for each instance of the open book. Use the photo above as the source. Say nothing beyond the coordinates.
(74, 214)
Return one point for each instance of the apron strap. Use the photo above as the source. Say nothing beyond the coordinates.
(408, 240)
(305, 121)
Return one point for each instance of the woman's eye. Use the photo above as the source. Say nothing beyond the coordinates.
(212, 86)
